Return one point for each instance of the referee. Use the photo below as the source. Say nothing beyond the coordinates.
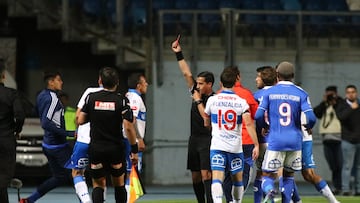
(107, 111)
(12, 118)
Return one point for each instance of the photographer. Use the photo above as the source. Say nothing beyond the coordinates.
(330, 130)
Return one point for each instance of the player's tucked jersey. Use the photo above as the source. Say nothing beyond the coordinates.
(139, 110)
(83, 132)
(284, 103)
(225, 110)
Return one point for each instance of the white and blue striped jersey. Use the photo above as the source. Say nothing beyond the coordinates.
(284, 103)
(139, 110)
(225, 110)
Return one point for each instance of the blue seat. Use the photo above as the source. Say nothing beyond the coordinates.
(92, 7)
(316, 24)
(254, 21)
(170, 20)
(138, 12)
(185, 5)
(209, 23)
(229, 4)
(291, 5)
(337, 5)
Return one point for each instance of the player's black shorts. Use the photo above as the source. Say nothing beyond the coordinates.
(106, 156)
(199, 153)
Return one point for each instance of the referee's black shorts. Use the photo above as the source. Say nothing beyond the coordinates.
(106, 156)
(199, 153)
(7, 159)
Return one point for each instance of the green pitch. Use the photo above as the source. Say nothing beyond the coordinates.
(309, 199)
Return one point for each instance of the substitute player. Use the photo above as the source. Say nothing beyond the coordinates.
(79, 158)
(137, 86)
(284, 103)
(226, 112)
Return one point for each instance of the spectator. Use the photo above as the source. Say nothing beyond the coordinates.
(348, 112)
(330, 130)
(12, 118)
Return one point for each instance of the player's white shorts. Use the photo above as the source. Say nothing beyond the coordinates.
(83, 133)
(219, 160)
(290, 160)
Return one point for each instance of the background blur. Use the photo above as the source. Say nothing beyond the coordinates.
(77, 37)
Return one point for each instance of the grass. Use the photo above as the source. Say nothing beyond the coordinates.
(306, 199)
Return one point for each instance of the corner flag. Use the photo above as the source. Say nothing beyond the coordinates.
(135, 187)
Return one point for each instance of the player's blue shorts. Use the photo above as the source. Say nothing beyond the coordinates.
(220, 160)
(307, 155)
(79, 158)
(128, 161)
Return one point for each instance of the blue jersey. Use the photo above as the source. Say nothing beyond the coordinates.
(51, 113)
(284, 103)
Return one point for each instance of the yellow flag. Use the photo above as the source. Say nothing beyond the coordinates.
(135, 187)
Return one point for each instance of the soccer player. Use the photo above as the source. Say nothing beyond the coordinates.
(137, 86)
(55, 145)
(308, 168)
(200, 137)
(247, 142)
(79, 159)
(226, 112)
(107, 111)
(284, 103)
(265, 78)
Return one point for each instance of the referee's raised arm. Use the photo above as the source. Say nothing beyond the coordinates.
(184, 67)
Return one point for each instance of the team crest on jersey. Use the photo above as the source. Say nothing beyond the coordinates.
(106, 106)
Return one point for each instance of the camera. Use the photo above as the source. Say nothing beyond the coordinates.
(330, 97)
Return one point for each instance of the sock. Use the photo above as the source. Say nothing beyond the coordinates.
(98, 195)
(267, 184)
(287, 189)
(216, 191)
(120, 194)
(105, 189)
(81, 189)
(281, 183)
(325, 190)
(295, 195)
(207, 186)
(199, 192)
(258, 193)
(33, 197)
(127, 188)
(238, 192)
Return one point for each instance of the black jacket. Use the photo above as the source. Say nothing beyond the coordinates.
(349, 118)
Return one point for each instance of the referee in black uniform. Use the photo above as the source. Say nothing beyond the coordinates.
(12, 118)
(107, 111)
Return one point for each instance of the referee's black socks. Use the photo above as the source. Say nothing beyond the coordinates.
(120, 194)
(98, 194)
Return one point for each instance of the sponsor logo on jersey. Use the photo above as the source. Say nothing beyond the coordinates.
(107, 106)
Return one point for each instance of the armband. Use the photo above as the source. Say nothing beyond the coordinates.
(197, 102)
(134, 148)
(179, 56)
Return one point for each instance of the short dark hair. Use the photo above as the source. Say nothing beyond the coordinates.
(351, 86)
(109, 77)
(331, 88)
(209, 77)
(234, 69)
(262, 68)
(228, 78)
(50, 75)
(134, 79)
(268, 75)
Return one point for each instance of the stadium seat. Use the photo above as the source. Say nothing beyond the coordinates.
(255, 22)
(170, 20)
(92, 8)
(315, 25)
(229, 4)
(291, 5)
(209, 23)
(275, 23)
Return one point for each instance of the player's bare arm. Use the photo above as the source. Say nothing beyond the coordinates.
(250, 127)
(82, 118)
(184, 67)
